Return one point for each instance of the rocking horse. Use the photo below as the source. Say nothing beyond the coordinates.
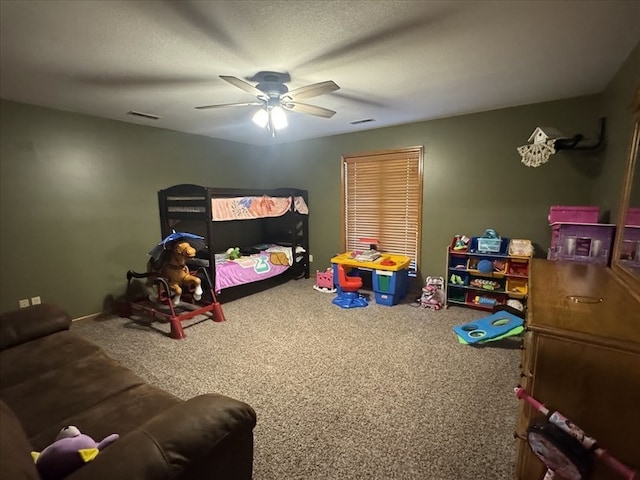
(166, 276)
(173, 266)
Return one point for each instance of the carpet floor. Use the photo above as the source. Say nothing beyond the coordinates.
(376, 392)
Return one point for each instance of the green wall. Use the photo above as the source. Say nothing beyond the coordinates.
(78, 205)
(616, 101)
(473, 176)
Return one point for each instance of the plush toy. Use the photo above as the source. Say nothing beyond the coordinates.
(233, 253)
(70, 451)
(173, 266)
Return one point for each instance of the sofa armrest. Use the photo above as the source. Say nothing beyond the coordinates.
(30, 323)
(206, 437)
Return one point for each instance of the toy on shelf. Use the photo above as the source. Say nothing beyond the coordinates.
(433, 293)
(70, 451)
(499, 266)
(515, 304)
(481, 300)
(460, 243)
(324, 281)
(520, 247)
(484, 266)
(488, 266)
(517, 286)
(519, 268)
(490, 242)
(485, 283)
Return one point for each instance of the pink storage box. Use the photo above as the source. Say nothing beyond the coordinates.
(633, 217)
(561, 213)
(584, 239)
(324, 279)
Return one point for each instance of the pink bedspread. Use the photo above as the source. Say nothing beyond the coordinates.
(249, 269)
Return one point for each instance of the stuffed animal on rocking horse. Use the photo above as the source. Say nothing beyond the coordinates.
(173, 266)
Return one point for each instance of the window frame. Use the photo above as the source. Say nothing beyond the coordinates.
(416, 152)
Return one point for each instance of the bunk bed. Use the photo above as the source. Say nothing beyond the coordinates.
(270, 226)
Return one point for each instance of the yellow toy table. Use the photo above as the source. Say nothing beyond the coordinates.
(390, 282)
(401, 262)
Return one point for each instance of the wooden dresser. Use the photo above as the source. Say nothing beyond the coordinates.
(582, 359)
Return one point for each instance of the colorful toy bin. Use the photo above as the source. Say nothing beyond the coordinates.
(390, 287)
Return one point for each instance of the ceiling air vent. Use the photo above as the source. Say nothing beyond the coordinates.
(358, 122)
(143, 115)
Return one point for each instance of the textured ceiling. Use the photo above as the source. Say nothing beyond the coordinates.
(396, 61)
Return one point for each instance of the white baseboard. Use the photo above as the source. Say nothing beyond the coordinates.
(86, 317)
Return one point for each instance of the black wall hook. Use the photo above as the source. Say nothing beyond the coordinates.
(574, 143)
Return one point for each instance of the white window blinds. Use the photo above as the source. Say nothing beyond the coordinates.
(382, 195)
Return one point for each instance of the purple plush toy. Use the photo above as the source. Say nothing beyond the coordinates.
(69, 452)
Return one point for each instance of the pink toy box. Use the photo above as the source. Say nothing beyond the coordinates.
(572, 214)
(633, 217)
(577, 242)
(324, 281)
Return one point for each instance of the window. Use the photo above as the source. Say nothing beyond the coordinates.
(382, 198)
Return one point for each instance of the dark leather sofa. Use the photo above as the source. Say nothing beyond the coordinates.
(50, 378)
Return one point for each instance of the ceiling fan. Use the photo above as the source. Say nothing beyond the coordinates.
(274, 97)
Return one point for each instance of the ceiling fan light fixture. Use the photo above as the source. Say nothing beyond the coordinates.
(261, 118)
(279, 118)
(273, 96)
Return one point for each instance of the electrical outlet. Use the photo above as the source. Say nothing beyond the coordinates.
(310, 258)
(23, 303)
(35, 301)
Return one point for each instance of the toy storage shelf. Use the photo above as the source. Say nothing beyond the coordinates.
(467, 286)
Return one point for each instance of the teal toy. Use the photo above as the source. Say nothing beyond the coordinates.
(494, 327)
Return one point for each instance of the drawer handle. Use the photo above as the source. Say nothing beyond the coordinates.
(585, 299)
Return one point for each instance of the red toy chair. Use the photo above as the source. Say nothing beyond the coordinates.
(348, 284)
(348, 296)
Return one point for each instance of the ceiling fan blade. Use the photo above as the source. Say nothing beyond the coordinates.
(242, 85)
(310, 109)
(312, 90)
(250, 104)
